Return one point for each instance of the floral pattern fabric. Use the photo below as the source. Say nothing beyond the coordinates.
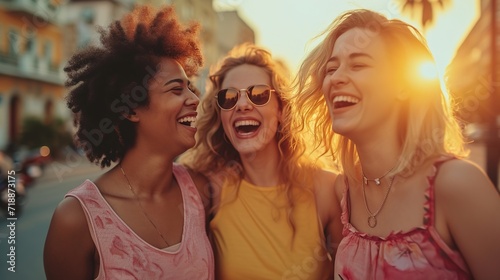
(124, 255)
(417, 254)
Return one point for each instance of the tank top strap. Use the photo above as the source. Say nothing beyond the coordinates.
(429, 207)
(345, 206)
(193, 204)
(182, 176)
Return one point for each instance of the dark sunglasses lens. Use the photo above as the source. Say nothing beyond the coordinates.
(259, 94)
(227, 98)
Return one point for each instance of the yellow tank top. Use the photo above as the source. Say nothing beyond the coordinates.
(254, 239)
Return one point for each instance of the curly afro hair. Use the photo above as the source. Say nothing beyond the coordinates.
(110, 80)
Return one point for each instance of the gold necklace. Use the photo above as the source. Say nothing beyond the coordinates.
(372, 218)
(142, 208)
(376, 180)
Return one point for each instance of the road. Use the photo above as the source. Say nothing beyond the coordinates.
(31, 227)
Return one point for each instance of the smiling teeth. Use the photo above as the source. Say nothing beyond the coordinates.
(190, 120)
(346, 98)
(246, 122)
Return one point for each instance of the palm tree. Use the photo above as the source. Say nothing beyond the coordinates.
(427, 8)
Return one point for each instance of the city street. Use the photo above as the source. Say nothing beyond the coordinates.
(31, 227)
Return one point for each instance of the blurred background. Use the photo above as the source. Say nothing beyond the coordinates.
(37, 37)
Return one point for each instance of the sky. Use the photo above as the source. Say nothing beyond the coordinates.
(286, 27)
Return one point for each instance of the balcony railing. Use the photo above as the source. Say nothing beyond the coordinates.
(40, 8)
(9, 58)
(30, 67)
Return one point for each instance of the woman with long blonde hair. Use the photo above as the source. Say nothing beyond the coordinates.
(412, 207)
(271, 214)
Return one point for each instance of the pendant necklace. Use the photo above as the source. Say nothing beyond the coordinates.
(142, 208)
(372, 218)
(376, 180)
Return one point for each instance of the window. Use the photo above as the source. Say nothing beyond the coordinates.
(30, 44)
(47, 50)
(13, 42)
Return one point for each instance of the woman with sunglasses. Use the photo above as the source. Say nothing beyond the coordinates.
(271, 215)
(144, 218)
(412, 208)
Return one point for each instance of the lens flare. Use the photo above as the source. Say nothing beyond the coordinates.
(427, 70)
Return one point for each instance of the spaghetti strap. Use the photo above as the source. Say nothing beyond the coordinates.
(345, 206)
(430, 194)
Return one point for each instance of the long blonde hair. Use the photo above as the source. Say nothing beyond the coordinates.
(212, 154)
(427, 127)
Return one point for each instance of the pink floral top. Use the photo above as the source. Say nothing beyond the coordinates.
(417, 254)
(124, 255)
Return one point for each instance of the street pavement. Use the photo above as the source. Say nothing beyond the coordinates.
(31, 227)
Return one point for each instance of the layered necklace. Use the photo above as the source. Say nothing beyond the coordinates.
(376, 180)
(142, 208)
(372, 216)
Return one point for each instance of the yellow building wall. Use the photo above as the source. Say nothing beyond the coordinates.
(10, 84)
(23, 23)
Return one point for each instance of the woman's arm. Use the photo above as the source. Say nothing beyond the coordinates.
(69, 250)
(328, 204)
(471, 208)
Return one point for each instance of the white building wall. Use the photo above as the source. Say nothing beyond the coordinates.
(32, 106)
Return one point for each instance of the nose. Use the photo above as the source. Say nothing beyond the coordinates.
(192, 99)
(339, 77)
(243, 103)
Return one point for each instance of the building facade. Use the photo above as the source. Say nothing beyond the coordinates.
(469, 75)
(220, 31)
(31, 61)
(474, 80)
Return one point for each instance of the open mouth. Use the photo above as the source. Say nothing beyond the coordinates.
(343, 101)
(246, 126)
(187, 121)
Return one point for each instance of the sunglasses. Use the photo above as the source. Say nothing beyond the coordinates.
(259, 95)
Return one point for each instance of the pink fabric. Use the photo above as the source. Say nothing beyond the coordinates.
(124, 255)
(417, 254)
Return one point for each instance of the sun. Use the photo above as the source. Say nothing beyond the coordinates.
(427, 70)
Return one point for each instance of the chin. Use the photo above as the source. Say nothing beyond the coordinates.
(186, 145)
(342, 129)
(246, 150)
(191, 144)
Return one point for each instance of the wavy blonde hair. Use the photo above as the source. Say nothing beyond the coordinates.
(212, 154)
(427, 127)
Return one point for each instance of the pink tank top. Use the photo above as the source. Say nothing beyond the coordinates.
(416, 254)
(124, 255)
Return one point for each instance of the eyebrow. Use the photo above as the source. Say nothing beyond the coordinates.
(175, 81)
(351, 56)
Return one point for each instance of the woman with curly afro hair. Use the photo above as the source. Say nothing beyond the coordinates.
(134, 105)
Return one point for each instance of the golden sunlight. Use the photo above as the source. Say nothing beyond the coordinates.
(427, 70)
(450, 25)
